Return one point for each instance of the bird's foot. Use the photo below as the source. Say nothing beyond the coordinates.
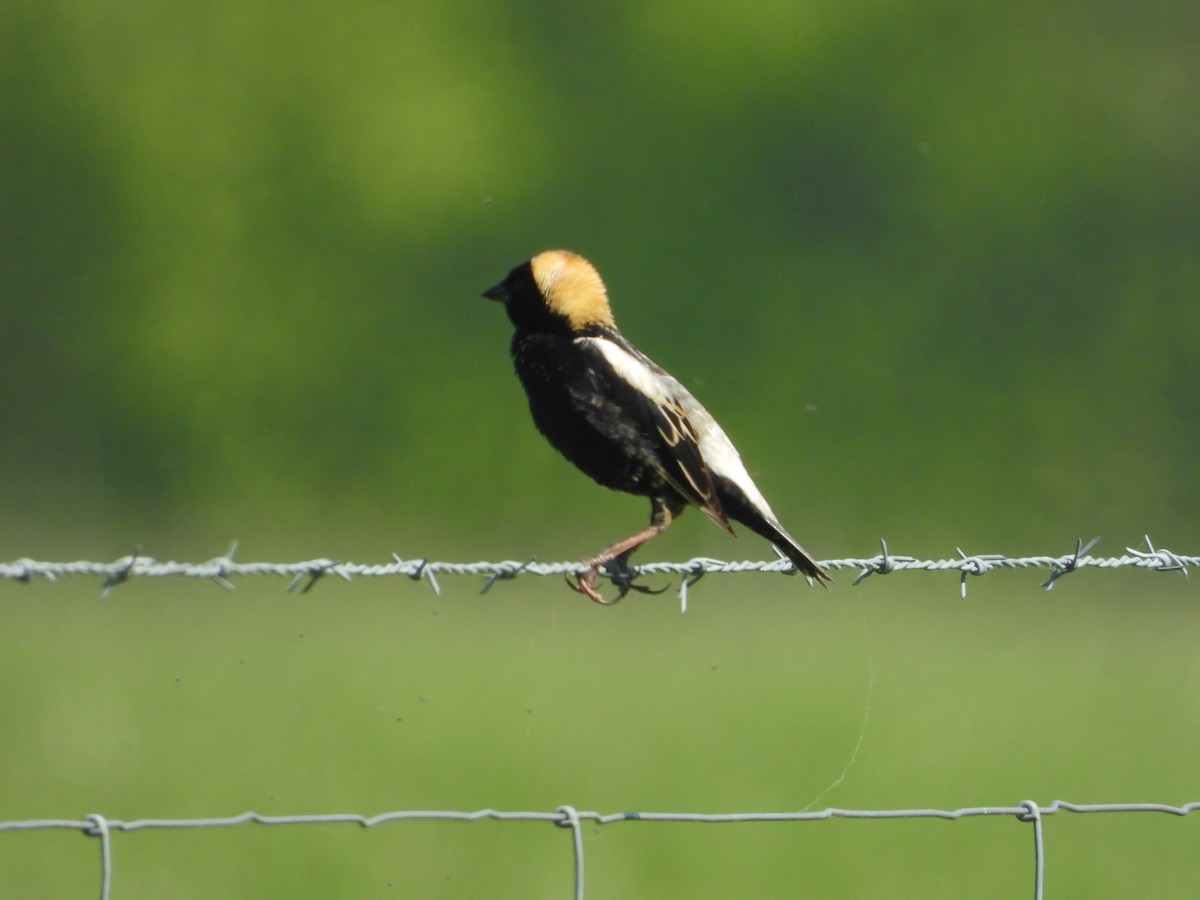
(621, 574)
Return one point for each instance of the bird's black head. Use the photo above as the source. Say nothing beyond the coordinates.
(555, 292)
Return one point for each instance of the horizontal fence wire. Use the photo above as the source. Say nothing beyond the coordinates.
(306, 573)
(569, 817)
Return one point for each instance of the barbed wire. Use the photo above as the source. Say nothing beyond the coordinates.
(305, 574)
(567, 816)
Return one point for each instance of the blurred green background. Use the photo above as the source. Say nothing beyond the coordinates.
(934, 267)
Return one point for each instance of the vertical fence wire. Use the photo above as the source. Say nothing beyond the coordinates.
(1039, 853)
(100, 829)
(571, 820)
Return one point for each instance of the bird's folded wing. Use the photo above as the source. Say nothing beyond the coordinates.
(691, 477)
(662, 403)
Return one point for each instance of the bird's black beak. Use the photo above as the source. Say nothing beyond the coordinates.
(497, 292)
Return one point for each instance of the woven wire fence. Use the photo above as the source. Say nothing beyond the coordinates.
(305, 574)
(568, 817)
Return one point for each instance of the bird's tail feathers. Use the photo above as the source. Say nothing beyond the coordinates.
(804, 562)
(800, 558)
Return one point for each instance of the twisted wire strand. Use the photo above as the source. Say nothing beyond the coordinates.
(306, 573)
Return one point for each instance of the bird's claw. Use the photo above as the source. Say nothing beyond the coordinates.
(620, 573)
(584, 583)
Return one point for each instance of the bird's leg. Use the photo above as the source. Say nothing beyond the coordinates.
(661, 515)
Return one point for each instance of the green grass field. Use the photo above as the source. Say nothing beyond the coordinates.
(175, 699)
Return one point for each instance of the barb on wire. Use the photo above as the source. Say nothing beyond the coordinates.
(883, 564)
(1081, 550)
(422, 571)
(975, 565)
(220, 567)
(316, 570)
(686, 581)
(223, 569)
(124, 567)
(1169, 561)
(505, 572)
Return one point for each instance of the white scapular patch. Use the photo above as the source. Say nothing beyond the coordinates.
(716, 449)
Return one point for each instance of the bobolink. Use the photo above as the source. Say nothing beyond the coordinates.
(620, 418)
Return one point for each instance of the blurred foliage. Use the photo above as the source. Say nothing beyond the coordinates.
(243, 246)
(934, 266)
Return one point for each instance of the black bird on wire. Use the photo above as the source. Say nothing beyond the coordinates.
(620, 418)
